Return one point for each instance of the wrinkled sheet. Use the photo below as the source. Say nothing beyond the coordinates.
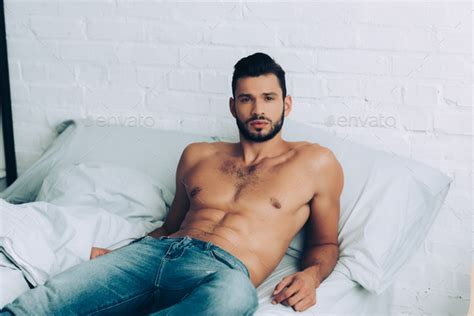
(337, 295)
(40, 240)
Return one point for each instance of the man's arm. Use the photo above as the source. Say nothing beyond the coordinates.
(180, 204)
(321, 243)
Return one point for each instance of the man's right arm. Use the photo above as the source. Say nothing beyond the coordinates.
(180, 205)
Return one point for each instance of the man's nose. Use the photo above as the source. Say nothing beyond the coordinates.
(258, 109)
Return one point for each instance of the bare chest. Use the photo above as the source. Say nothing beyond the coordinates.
(226, 185)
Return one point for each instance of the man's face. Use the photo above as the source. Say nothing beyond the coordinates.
(259, 107)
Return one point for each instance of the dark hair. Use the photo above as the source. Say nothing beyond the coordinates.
(256, 65)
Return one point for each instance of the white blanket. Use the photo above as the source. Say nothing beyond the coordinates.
(83, 205)
(43, 239)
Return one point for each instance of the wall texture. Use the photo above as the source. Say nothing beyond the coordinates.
(395, 76)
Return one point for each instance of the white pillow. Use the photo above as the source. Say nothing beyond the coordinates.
(152, 151)
(388, 205)
(123, 191)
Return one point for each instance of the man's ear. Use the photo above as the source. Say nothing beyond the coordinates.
(232, 106)
(288, 105)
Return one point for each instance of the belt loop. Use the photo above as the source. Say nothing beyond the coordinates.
(185, 241)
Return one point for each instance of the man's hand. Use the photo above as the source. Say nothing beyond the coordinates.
(297, 290)
(95, 252)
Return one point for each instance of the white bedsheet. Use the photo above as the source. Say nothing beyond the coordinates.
(337, 295)
(41, 239)
(12, 281)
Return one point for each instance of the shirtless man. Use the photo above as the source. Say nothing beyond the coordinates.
(251, 198)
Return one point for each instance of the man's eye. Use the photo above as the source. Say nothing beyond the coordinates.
(269, 98)
(244, 99)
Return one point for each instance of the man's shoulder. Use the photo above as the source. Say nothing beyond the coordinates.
(313, 150)
(322, 165)
(316, 155)
(195, 153)
(198, 150)
(209, 147)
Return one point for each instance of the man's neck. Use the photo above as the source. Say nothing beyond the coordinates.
(254, 152)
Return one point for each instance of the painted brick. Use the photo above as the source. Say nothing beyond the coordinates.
(248, 34)
(458, 95)
(308, 86)
(61, 73)
(19, 92)
(216, 83)
(383, 91)
(454, 122)
(86, 8)
(210, 57)
(152, 79)
(420, 95)
(22, 48)
(25, 8)
(219, 106)
(115, 30)
(416, 120)
(34, 72)
(295, 60)
(14, 71)
(322, 36)
(56, 96)
(113, 98)
(146, 54)
(353, 61)
(58, 28)
(431, 65)
(184, 80)
(92, 52)
(91, 75)
(178, 103)
(379, 38)
(176, 33)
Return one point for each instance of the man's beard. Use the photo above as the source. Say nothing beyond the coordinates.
(252, 136)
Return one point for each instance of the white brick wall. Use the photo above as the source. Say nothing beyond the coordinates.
(172, 62)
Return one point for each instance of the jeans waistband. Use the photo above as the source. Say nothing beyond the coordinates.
(207, 245)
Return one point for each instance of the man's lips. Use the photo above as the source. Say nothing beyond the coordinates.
(258, 122)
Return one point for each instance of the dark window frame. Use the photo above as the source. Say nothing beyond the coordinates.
(6, 105)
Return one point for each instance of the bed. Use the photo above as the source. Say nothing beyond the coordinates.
(105, 185)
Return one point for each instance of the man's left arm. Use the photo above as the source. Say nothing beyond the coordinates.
(321, 249)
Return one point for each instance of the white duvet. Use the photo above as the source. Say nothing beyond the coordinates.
(43, 239)
(82, 206)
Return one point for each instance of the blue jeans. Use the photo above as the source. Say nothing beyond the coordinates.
(163, 276)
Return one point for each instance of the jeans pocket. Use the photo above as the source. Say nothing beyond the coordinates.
(139, 239)
(217, 256)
